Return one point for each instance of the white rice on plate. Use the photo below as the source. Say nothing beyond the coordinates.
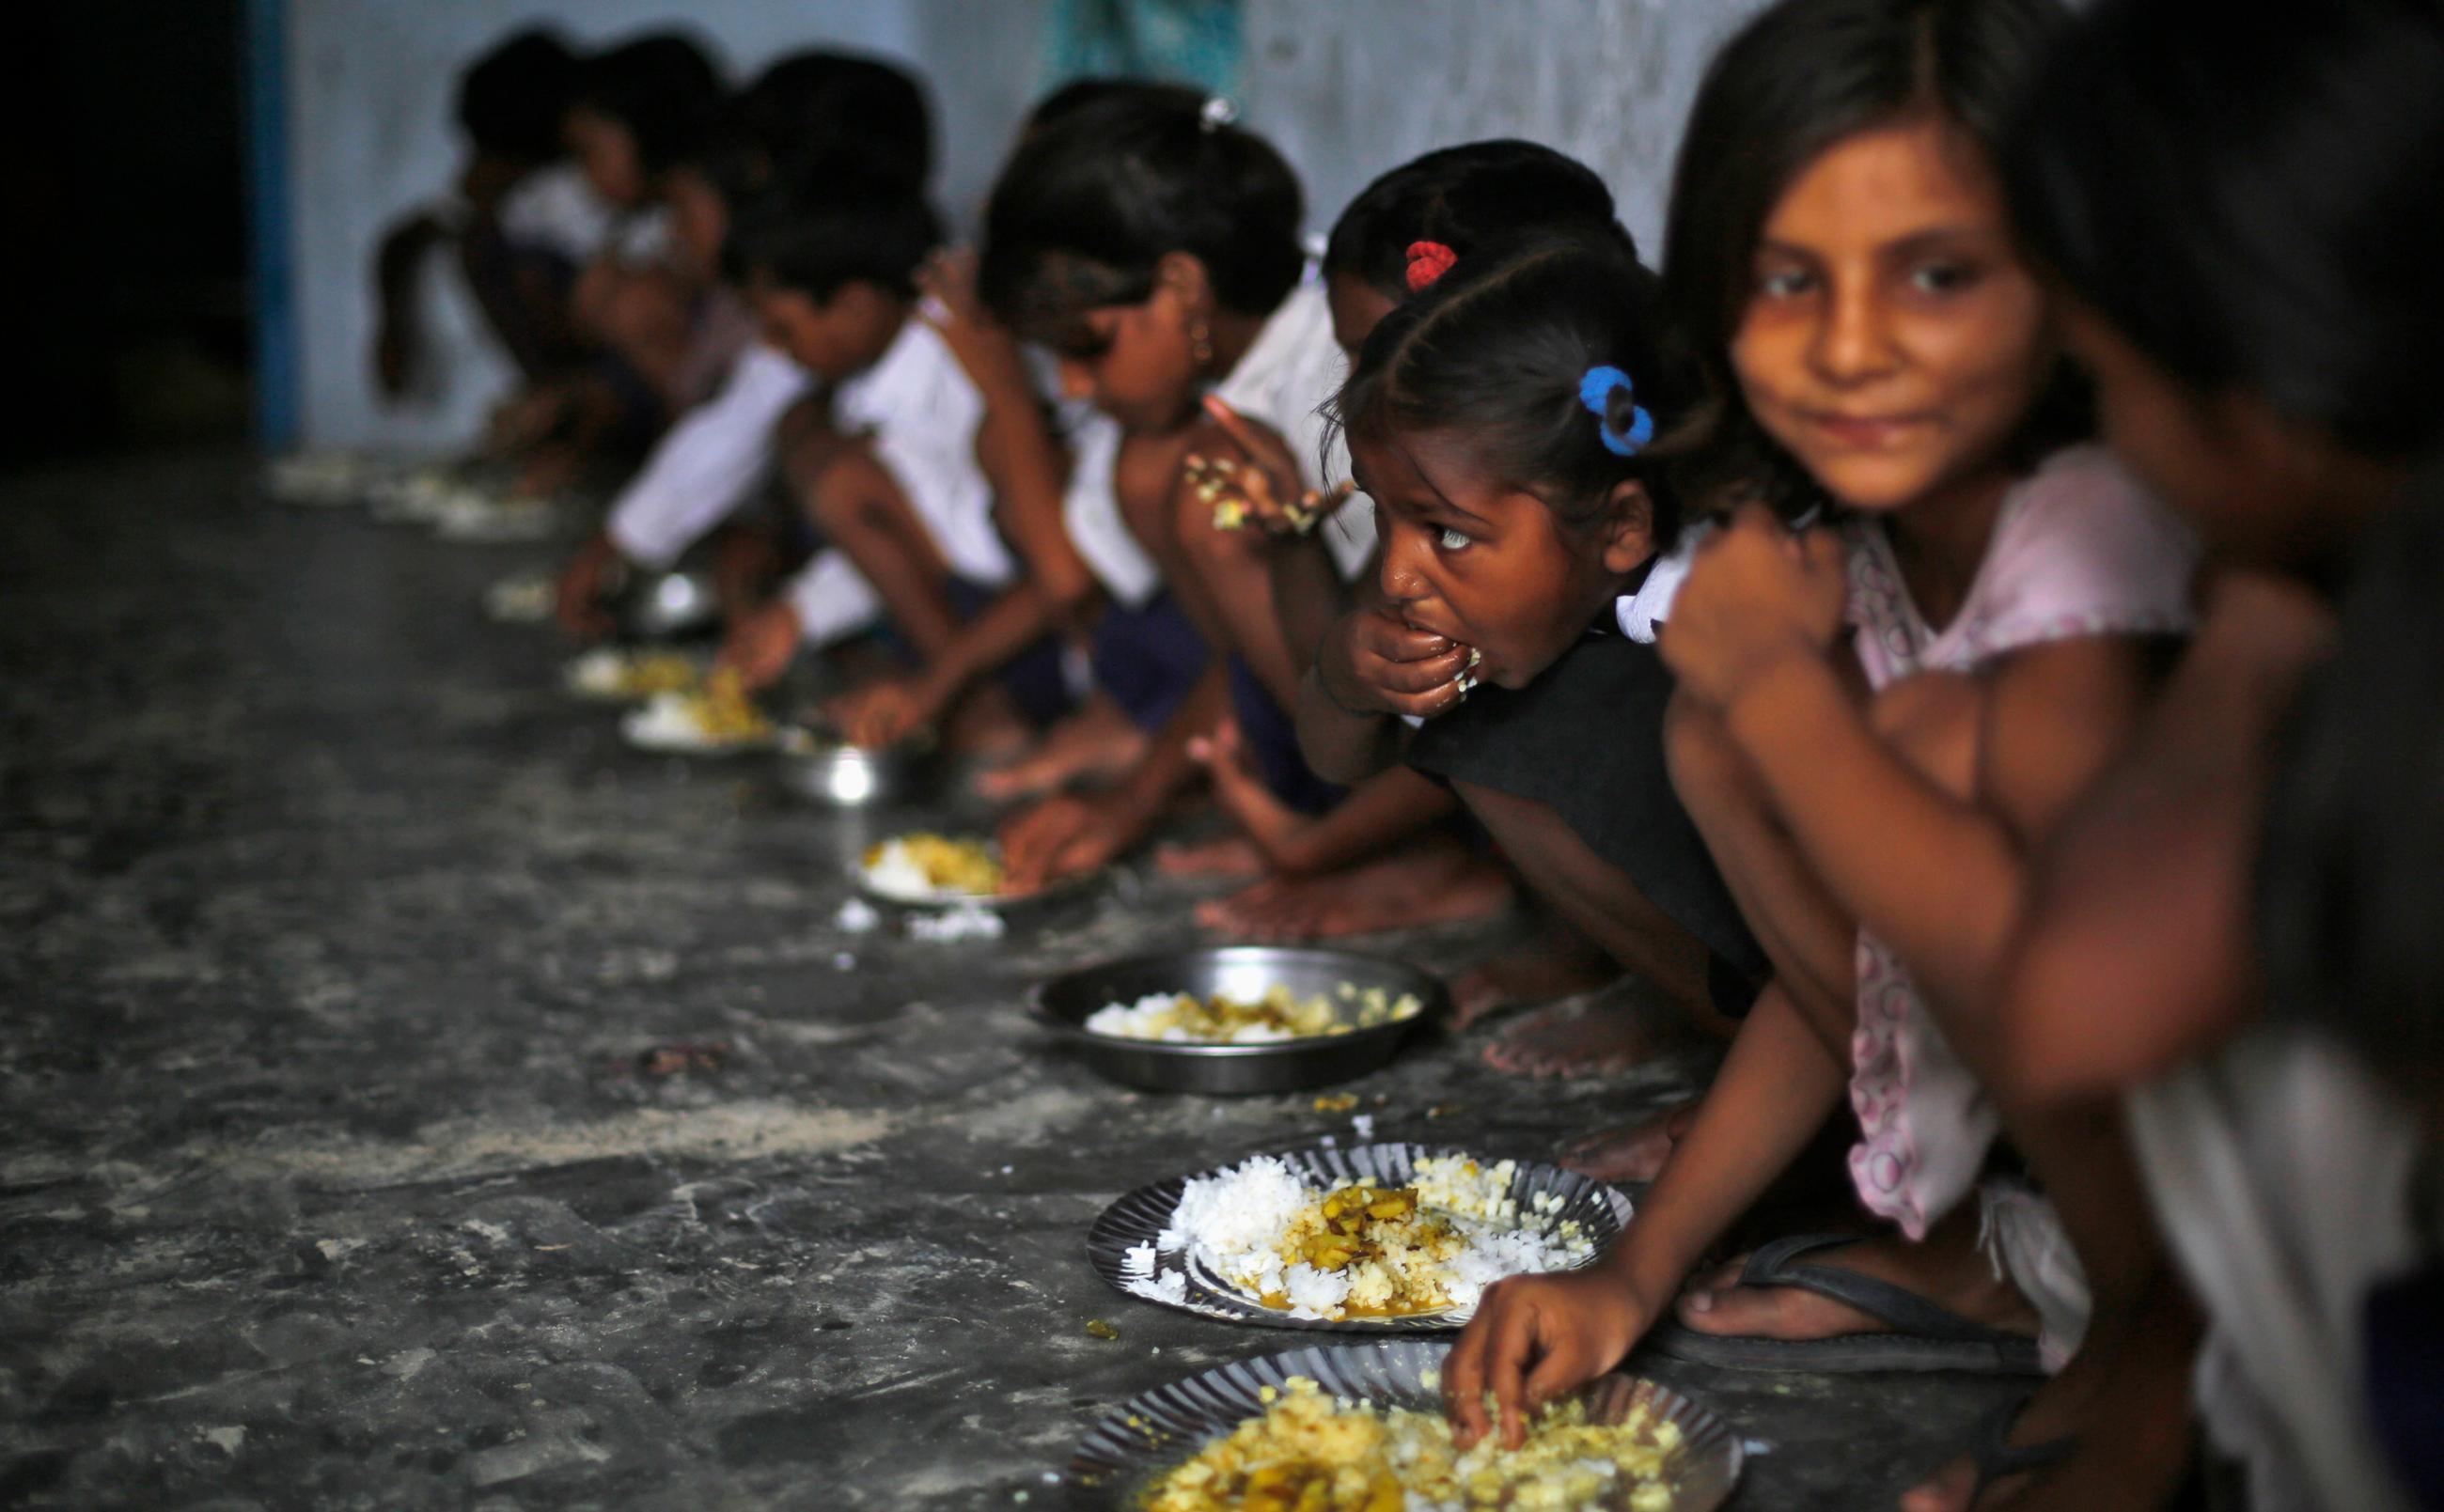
(1261, 1225)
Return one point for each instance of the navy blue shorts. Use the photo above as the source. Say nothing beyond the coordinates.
(1148, 659)
(1270, 736)
(1034, 678)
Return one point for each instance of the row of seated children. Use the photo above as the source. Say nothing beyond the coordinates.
(1786, 629)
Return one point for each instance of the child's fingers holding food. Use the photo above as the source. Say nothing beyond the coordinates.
(1386, 636)
(1443, 670)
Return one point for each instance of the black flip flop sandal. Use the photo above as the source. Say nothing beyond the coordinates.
(1923, 1337)
(1998, 1458)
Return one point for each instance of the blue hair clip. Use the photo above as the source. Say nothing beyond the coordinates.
(1595, 392)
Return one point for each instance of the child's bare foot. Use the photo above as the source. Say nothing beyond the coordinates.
(1598, 1034)
(1096, 740)
(1629, 1152)
(1223, 856)
(1946, 1268)
(1559, 963)
(1434, 879)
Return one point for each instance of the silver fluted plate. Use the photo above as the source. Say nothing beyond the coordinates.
(1139, 1218)
(1151, 1432)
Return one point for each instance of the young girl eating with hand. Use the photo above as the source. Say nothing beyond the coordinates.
(1500, 425)
(1840, 257)
(1374, 860)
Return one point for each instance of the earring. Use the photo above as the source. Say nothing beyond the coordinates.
(1200, 341)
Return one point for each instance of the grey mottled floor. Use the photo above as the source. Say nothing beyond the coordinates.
(330, 935)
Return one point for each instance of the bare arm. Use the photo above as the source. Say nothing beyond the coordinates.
(1938, 876)
(2135, 953)
(1535, 1337)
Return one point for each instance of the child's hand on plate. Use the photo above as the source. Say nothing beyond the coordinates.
(1063, 837)
(760, 647)
(1533, 1339)
(583, 584)
(1374, 662)
(1757, 595)
(884, 712)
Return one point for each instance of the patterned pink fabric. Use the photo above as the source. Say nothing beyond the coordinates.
(2079, 550)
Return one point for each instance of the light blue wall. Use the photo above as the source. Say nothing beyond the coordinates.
(1345, 88)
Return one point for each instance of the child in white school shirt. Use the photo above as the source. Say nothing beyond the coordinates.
(888, 473)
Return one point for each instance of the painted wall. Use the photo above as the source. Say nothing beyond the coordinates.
(1345, 88)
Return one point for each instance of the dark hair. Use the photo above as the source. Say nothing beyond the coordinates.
(1079, 94)
(2254, 206)
(816, 249)
(663, 89)
(2350, 877)
(511, 101)
(820, 123)
(1498, 348)
(1464, 197)
(1800, 77)
(1091, 203)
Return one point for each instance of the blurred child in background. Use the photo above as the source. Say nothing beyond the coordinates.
(523, 219)
(810, 124)
(888, 472)
(645, 307)
(1153, 246)
(2251, 286)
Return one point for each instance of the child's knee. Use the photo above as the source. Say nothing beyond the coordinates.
(1932, 720)
(850, 488)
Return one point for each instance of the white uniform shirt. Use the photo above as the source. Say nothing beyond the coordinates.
(708, 462)
(1090, 510)
(555, 209)
(922, 411)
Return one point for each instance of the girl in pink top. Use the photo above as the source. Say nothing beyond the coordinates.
(1878, 720)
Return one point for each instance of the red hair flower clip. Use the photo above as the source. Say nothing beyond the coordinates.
(1428, 260)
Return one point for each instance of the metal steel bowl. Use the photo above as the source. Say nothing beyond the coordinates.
(668, 605)
(821, 770)
(1241, 971)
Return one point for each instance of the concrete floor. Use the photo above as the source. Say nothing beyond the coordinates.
(331, 937)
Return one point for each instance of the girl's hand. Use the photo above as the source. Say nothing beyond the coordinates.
(886, 713)
(1261, 482)
(759, 648)
(1757, 595)
(1062, 837)
(1374, 663)
(1533, 1338)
